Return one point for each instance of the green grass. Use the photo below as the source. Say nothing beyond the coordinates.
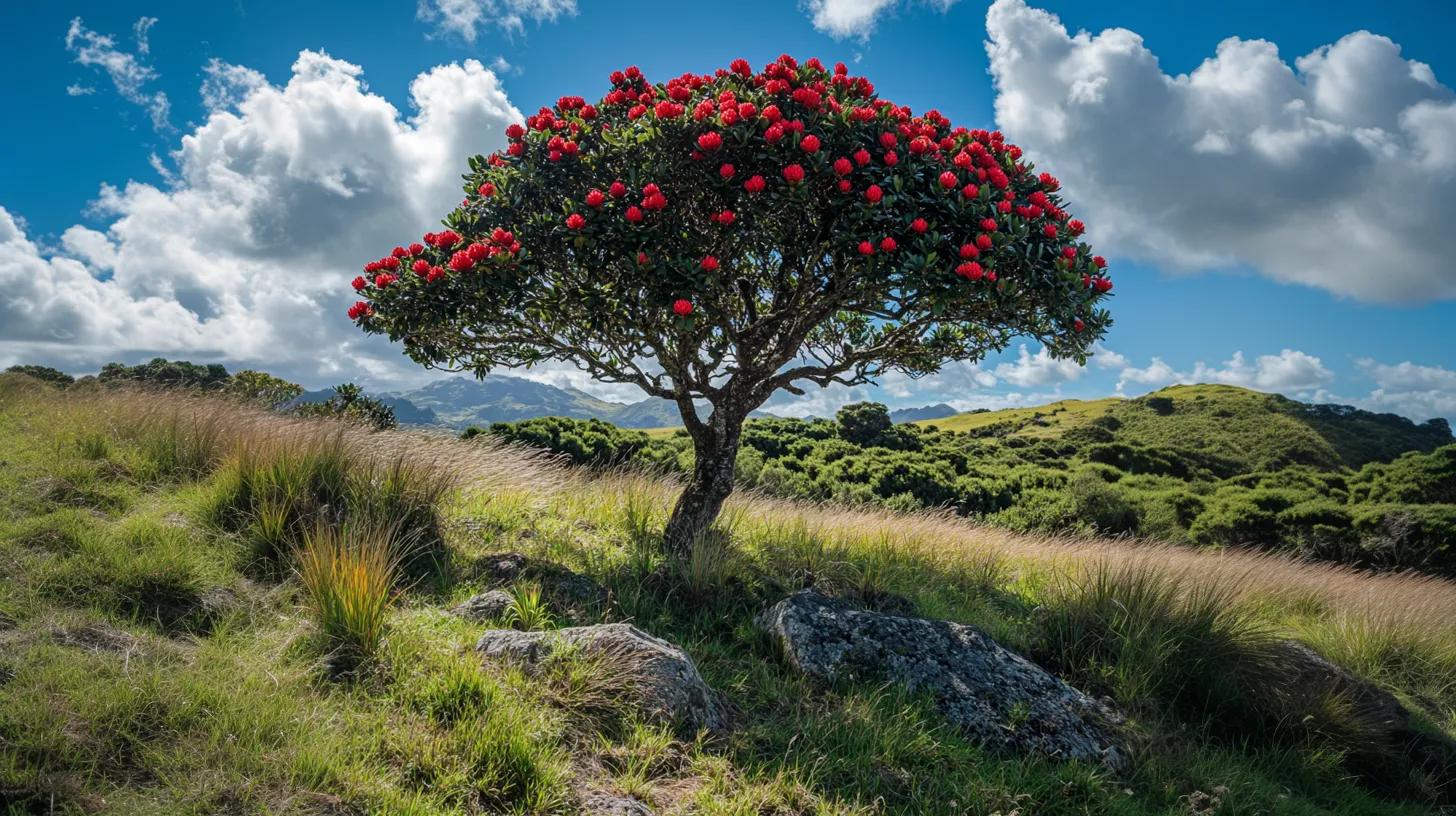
(124, 690)
(1053, 419)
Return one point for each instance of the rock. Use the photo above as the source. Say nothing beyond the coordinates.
(598, 803)
(490, 605)
(658, 677)
(1308, 675)
(557, 582)
(994, 695)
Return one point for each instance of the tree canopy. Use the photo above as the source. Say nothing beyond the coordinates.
(724, 236)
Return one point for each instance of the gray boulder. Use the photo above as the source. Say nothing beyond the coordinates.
(490, 605)
(655, 676)
(559, 584)
(598, 803)
(995, 696)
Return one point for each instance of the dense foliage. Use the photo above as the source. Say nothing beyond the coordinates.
(43, 373)
(722, 237)
(163, 372)
(1211, 466)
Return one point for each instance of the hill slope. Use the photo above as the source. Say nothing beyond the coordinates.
(160, 653)
(1257, 430)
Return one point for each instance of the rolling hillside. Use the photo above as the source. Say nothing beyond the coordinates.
(1258, 430)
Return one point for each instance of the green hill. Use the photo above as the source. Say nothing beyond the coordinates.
(1258, 431)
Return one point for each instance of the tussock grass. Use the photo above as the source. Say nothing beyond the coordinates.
(349, 581)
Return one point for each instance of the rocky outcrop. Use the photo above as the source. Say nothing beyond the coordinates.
(598, 803)
(658, 678)
(995, 696)
(486, 606)
(1307, 675)
(559, 585)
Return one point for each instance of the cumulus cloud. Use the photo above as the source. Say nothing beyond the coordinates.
(279, 198)
(225, 85)
(1287, 371)
(1335, 172)
(1416, 391)
(1037, 370)
(127, 73)
(77, 89)
(465, 18)
(842, 19)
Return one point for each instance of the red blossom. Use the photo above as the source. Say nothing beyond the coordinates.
(970, 191)
(809, 144)
(360, 309)
(487, 190)
(709, 264)
(634, 215)
(970, 270)
(754, 185)
(891, 159)
(1078, 325)
(461, 261)
(682, 308)
(842, 166)
(399, 252)
(773, 134)
(574, 221)
(888, 245)
(595, 199)
(887, 140)
(988, 224)
(725, 218)
(861, 157)
(845, 186)
(1102, 285)
(421, 267)
(866, 248)
(1100, 261)
(948, 179)
(969, 251)
(710, 141)
(726, 171)
(515, 132)
(359, 283)
(1050, 230)
(919, 226)
(793, 174)
(984, 242)
(874, 194)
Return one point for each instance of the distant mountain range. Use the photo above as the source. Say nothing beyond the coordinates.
(939, 411)
(460, 402)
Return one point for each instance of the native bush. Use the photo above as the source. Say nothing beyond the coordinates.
(719, 238)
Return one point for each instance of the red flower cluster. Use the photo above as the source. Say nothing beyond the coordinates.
(682, 308)
(793, 174)
(359, 310)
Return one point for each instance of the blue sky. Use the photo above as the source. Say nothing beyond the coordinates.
(203, 191)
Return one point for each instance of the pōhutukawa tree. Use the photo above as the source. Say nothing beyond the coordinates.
(719, 238)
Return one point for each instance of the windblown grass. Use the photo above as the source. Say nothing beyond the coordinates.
(119, 509)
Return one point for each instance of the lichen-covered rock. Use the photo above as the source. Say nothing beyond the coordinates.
(598, 803)
(490, 605)
(558, 583)
(656, 676)
(994, 695)
(1307, 675)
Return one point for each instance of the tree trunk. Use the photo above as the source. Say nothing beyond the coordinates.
(715, 450)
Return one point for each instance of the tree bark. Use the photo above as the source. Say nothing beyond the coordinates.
(715, 451)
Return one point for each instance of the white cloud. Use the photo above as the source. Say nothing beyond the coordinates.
(1415, 405)
(1286, 372)
(465, 18)
(277, 203)
(141, 28)
(1408, 375)
(1037, 370)
(1107, 359)
(127, 73)
(225, 85)
(1336, 173)
(78, 89)
(841, 19)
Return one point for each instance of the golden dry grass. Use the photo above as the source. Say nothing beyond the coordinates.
(211, 429)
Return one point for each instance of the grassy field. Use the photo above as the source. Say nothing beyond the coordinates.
(205, 608)
(1056, 417)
